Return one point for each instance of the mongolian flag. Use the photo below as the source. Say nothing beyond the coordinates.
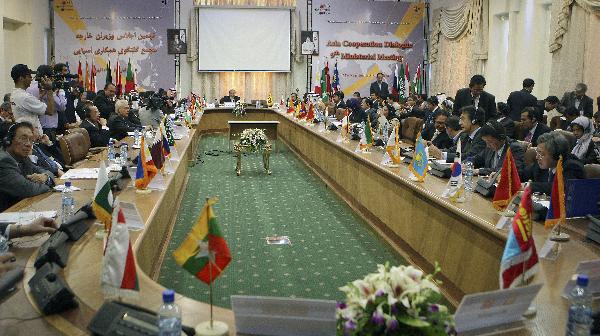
(519, 261)
(146, 170)
(419, 164)
(557, 213)
(204, 252)
(509, 184)
(119, 276)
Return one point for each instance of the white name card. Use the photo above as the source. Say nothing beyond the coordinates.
(132, 216)
(590, 268)
(494, 311)
(210, 105)
(229, 104)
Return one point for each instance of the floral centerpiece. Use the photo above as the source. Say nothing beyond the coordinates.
(394, 301)
(254, 139)
(239, 109)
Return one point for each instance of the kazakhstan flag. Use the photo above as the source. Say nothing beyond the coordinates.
(419, 163)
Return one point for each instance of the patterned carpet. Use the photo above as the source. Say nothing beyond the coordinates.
(331, 245)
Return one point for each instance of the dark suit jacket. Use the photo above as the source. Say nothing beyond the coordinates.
(119, 126)
(509, 127)
(586, 105)
(379, 92)
(104, 105)
(99, 137)
(469, 148)
(14, 185)
(487, 102)
(539, 130)
(541, 182)
(517, 101)
(484, 161)
(227, 99)
(442, 141)
(428, 132)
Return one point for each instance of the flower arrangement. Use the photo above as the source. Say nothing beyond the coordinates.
(253, 138)
(239, 109)
(394, 301)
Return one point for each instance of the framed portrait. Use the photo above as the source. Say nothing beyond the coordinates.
(309, 42)
(176, 41)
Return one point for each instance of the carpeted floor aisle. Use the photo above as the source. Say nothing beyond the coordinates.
(331, 246)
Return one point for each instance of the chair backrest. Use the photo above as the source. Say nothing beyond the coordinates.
(411, 126)
(555, 122)
(591, 170)
(82, 131)
(530, 156)
(74, 147)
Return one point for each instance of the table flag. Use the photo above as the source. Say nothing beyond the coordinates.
(102, 204)
(509, 184)
(557, 213)
(420, 163)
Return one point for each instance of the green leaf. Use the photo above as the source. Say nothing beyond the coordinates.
(413, 322)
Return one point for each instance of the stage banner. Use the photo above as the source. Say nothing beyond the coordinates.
(367, 37)
(114, 30)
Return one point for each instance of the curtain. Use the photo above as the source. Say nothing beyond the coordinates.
(574, 47)
(248, 85)
(458, 45)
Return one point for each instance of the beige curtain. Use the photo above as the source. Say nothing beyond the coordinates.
(248, 85)
(458, 45)
(575, 47)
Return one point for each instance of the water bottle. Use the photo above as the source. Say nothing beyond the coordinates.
(169, 315)
(579, 322)
(136, 138)
(111, 150)
(468, 169)
(3, 244)
(68, 203)
(124, 153)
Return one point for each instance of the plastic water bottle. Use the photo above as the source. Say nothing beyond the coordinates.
(468, 169)
(169, 315)
(111, 150)
(579, 322)
(136, 138)
(124, 154)
(68, 203)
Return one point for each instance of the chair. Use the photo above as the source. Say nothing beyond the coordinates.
(591, 170)
(74, 148)
(555, 122)
(411, 126)
(82, 131)
(530, 156)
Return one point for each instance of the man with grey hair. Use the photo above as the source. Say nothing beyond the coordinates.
(551, 147)
(579, 100)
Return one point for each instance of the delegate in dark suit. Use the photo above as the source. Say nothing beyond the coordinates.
(517, 101)
(380, 89)
(442, 140)
(105, 106)
(487, 162)
(227, 99)
(469, 147)
(14, 185)
(542, 178)
(585, 103)
(539, 130)
(464, 98)
(119, 126)
(99, 137)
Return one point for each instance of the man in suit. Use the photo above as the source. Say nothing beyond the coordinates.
(436, 132)
(490, 160)
(94, 125)
(505, 120)
(579, 100)
(105, 100)
(232, 98)
(431, 110)
(551, 104)
(551, 146)
(530, 119)
(122, 121)
(337, 105)
(19, 177)
(379, 87)
(475, 95)
(369, 112)
(470, 138)
(518, 100)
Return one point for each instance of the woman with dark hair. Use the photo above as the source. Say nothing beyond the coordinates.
(505, 120)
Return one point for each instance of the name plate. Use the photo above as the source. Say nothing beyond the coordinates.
(210, 105)
(229, 104)
(590, 268)
(494, 311)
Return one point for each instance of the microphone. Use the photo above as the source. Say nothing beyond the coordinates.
(76, 226)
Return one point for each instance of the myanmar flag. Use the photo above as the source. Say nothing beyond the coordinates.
(102, 204)
(204, 252)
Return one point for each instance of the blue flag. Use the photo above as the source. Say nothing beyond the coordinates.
(419, 164)
(336, 78)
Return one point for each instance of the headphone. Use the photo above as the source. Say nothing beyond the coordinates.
(12, 132)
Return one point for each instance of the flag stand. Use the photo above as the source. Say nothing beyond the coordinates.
(558, 236)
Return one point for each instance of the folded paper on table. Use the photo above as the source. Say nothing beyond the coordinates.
(24, 217)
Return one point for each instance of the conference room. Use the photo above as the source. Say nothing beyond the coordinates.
(297, 167)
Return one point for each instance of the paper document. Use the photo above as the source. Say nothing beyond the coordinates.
(132, 216)
(61, 187)
(24, 217)
(80, 173)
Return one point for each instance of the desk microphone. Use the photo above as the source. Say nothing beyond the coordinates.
(76, 225)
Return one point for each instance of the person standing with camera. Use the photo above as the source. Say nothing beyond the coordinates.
(44, 87)
(151, 114)
(28, 107)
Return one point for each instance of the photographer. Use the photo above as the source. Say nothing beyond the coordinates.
(169, 105)
(28, 107)
(44, 82)
(151, 114)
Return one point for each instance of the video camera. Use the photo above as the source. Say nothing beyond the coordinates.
(153, 100)
(59, 80)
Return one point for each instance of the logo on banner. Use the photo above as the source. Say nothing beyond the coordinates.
(324, 9)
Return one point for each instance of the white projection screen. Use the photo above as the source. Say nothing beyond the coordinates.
(243, 39)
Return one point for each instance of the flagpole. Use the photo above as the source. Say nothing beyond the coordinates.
(210, 290)
(531, 310)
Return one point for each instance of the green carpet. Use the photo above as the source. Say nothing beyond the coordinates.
(331, 245)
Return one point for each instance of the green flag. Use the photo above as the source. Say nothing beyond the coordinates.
(369, 132)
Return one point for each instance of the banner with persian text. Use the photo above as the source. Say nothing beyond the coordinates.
(367, 37)
(117, 31)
